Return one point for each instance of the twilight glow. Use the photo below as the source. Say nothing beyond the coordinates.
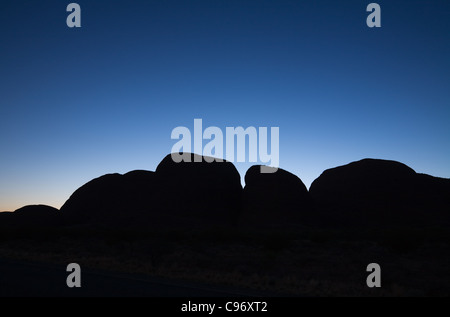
(77, 103)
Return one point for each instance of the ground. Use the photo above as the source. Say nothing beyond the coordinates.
(303, 263)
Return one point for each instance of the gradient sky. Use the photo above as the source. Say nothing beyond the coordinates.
(79, 103)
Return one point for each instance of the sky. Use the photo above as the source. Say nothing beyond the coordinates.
(77, 103)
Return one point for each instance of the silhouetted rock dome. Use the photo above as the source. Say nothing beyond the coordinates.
(380, 192)
(201, 192)
(274, 199)
(112, 197)
(31, 216)
(37, 210)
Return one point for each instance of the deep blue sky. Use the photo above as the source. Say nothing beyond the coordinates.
(78, 103)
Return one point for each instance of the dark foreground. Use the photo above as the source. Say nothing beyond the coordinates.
(28, 279)
(308, 263)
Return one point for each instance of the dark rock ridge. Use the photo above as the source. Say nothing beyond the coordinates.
(363, 194)
(187, 194)
(31, 216)
(274, 199)
(381, 193)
